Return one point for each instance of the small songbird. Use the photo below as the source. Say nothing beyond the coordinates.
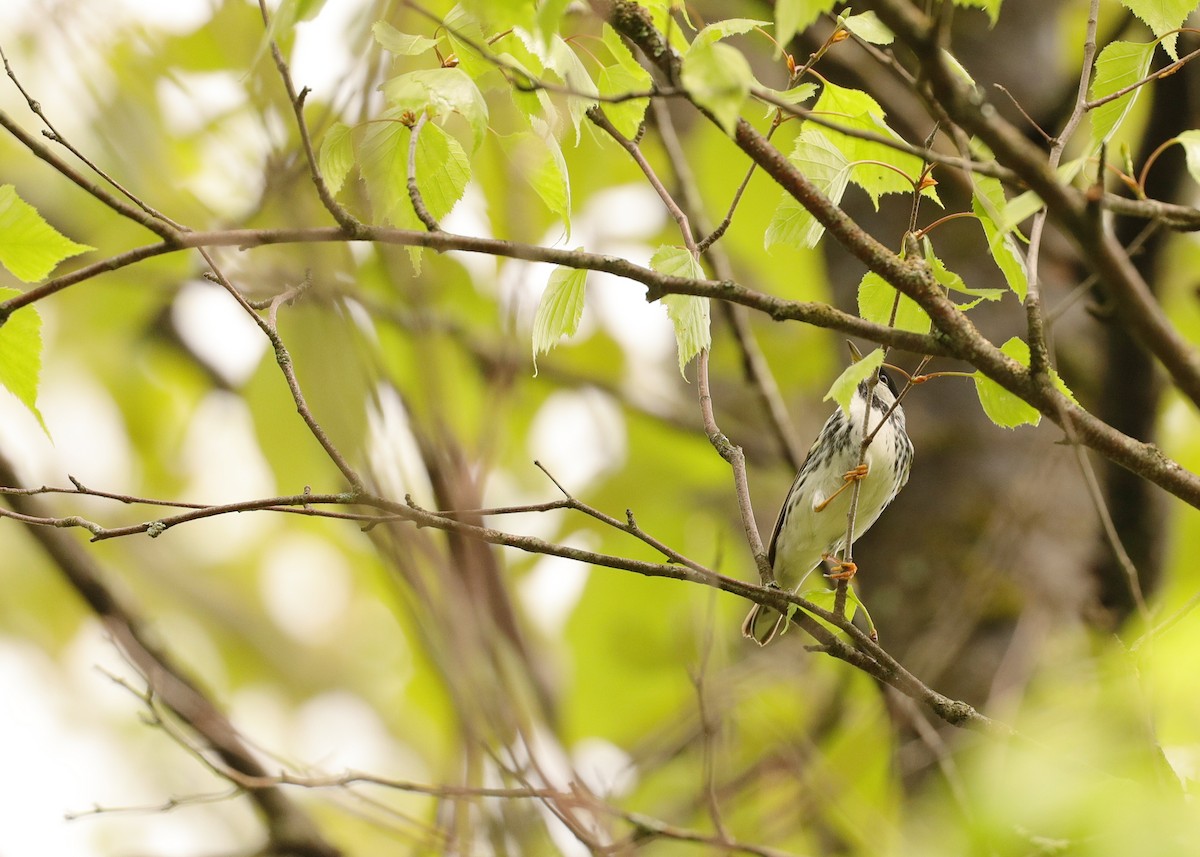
(811, 526)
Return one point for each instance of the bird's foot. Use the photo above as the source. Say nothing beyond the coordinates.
(851, 476)
(842, 569)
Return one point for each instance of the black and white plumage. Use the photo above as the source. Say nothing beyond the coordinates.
(810, 526)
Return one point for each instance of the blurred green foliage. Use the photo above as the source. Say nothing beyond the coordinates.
(639, 688)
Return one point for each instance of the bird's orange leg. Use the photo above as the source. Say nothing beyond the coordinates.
(843, 570)
(851, 477)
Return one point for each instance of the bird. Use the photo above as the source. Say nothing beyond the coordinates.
(812, 523)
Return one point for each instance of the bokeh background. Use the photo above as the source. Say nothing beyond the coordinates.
(419, 657)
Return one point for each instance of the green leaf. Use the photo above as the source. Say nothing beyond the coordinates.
(842, 390)
(401, 44)
(858, 111)
(1118, 65)
(566, 64)
(853, 603)
(1162, 16)
(1190, 140)
(623, 76)
(957, 67)
(503, 13)
(622, 56)
(953, 281)
(1001, 406)
(337, 156)
(440, 91)
(875, 300)
(688, 313)
(550, 19)
(719, 78)
(30, 248)
(21, 354)
(549, 177)
(794, 16)
(1026, 204)
(826, 167)
(868, 27)
(690, 316)
(536, 104)
(442, 171)
(795, 95)
(463, 30)
(627, 115)
(559, 310)
(724, 29)
(987, 202)
(992, 7)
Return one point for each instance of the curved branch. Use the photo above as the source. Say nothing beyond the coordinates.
(1070, 208)
(957, 335)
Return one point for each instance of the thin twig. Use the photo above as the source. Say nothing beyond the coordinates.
(732, 453)
(344, 218)
(286, 366)
(51, 133)
(1096, 495)
(414, 192)
(1150, 78)
(757, 370)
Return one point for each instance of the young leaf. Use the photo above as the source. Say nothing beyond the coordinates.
(856, 110)
(626, 115)
(623, 76)
(842, 390)
(1117, 66)
(688, 313)
(795, 95)
(548, 177)
(337, 156)
(794, 16)
(822, 596)
(957, 67)
(509, 13)
(463, 32)
(953, 281)
(442, 172)
(1001, 406)
(690, 316)
(725, 29)
(992, 7)
(826, 167)
(401, 44)
(1190, 140)
(987, 203)
(29, 246)
(876, 298)
(1026, 204)
(550, 19)
(719, 78)
(21, 354)
(1162, 16)
(868, 27)
(559, 310)
(440, 91)
(566, 64)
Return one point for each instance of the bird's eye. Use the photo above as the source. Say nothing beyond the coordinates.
(887, 379)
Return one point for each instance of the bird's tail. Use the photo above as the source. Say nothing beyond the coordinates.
(762, 624)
